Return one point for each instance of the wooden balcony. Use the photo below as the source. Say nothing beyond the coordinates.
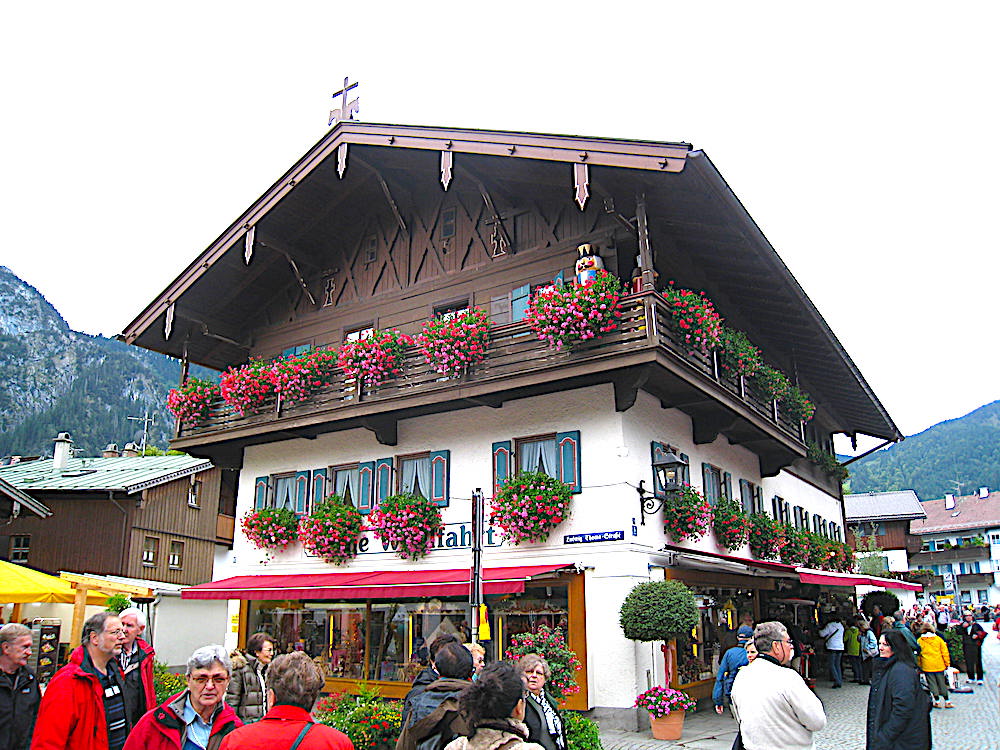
(974, 580)
(955, 554)
(225, 526)
(642, 354)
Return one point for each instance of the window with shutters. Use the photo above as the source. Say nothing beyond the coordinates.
(283, 495)
(175, 560)
(346, 482)
(20, 545)
(557, 455)
(716, 483)
(150, 551)
(414, 474)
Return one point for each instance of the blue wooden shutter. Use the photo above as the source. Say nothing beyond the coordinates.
(727, 485)
(568, 447)
(684, 473)
(366, 481)
(318, 486)
(706, 483)
(302, 492)
(656, 452)
(758, 499)
(501, 464)
(519, 302)
(260, 492)
(383, 480)
(440, 477)
(746, 496)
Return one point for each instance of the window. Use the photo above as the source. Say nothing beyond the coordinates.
(983, 596)
(558, 456)
(414, 475)
(194, 492)
(781, 509)
(284, 492)
(797, 516)
(371, 249)
(751, 497)
(359, 333)
(150, 551)
(19, 547)
(448, 217)
(717, 484)
(176, 558)
(299, 349)
(347, 484)
(995, 537)
(451, 310)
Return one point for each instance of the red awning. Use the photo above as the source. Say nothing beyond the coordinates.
(373, 584)
(824, 578)
(748, 561)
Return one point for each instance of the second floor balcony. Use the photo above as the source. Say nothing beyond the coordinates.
(965, 553)
(644, 353)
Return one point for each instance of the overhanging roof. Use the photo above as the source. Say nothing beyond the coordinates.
(123, 474)
(701, 234)
(40, 509)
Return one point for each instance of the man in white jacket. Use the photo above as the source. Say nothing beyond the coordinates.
(773, 705)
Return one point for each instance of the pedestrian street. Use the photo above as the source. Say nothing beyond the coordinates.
(974, 723)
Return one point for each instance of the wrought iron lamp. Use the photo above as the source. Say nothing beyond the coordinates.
(667, 473)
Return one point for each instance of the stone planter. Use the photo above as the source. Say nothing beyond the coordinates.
(667, 727)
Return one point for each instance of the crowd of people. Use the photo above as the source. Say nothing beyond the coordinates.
(104, 698)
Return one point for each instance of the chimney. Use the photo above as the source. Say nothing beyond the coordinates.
(949, 502)
(131, 450)
(984, 492)
(62, 451)
(110, 451)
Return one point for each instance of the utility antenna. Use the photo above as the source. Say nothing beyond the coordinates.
(146, 420)
(958, 486)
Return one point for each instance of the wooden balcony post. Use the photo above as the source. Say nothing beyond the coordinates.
(645, 253)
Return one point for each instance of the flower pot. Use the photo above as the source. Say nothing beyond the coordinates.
(667, 727)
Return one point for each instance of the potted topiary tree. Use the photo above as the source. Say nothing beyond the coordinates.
(660, 611)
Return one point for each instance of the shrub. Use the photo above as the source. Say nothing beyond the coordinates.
(369, 722)
(731, 524)
(658, 611)
(407, 522)
(331, 531)
(549, 643)
(581, 733)
(686, 514)
(886, 601)
(529, 506)
(765, 536)
(166, 683)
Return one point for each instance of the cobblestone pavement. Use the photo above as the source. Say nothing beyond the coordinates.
(974, 723)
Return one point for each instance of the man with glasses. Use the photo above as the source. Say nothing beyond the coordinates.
(771, 702)
(197, 718)
(83, 707)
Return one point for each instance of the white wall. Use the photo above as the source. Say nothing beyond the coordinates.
(179, 626)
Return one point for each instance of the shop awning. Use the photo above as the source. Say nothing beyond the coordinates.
(687, 557)
(377, 584)
(826, 578)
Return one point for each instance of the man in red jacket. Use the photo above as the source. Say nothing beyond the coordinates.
(137, 664)
(197, 718)
(83, 707)
(293, 684)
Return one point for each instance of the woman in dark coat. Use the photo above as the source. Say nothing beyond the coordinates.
(899, 709)
(544, 723)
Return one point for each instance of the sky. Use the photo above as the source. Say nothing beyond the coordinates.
(862, 138)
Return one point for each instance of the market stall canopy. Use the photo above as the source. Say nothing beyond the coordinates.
(20, 585)
(826, 578)
(372, 584)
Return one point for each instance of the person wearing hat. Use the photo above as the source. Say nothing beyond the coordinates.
(732, 661)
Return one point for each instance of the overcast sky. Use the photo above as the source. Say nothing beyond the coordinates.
(863, 138)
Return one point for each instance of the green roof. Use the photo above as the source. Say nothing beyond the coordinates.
(125, 474)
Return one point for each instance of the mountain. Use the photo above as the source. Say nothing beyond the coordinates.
(54, 379)
(966, 450)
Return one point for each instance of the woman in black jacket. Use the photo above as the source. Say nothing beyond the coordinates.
(544, 723)
(899, 709)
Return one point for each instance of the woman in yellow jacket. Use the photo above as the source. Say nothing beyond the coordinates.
(933, 661)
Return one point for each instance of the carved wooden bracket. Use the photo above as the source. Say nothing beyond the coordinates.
(447, 162)
(384, 429)
(341, 160)
(581, 178)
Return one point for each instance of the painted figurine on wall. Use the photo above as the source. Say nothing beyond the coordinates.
(588, 263)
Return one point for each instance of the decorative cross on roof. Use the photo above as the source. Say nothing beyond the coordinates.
(347, 109)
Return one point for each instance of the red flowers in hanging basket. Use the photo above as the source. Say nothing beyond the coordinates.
(529, 506)
(270, 528)
(686, 514)
(374, 359)
(730, 523)
(568, 315)
(453, 345)
(408, 523)
(192, 402)
(331, 531)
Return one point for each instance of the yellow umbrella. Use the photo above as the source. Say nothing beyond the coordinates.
(19, 584)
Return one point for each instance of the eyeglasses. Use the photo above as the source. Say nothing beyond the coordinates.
(116, 633)
(214, 679)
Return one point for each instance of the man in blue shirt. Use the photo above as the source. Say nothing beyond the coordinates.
(732, 661)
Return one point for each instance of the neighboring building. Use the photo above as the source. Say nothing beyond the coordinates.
(383, 226)
(885, 516)
(154, 518)
(960, 542)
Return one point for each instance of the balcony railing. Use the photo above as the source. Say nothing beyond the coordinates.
(225, 526)
(926, 558)
(515, 351)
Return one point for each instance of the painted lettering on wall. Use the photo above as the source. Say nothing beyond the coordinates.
(451, 536)
(594, 536)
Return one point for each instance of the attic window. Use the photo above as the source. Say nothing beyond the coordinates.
(448, 217)
(371, 248)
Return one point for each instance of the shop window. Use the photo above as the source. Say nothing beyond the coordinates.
(556, 455)
(175, 560)
(194, 492)
(983, 596)
(966, 597)
(150, 551)
(20, 546)
(716, 483)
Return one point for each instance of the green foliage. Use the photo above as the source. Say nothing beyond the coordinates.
(956, 651)
(370, 722)
(738, 354)
(658, 611)
(827, 462)
(872, 564)
(166, 683)
(581, 733)
(549, 643)
(967, 449)
(886, 601)
(117, 602)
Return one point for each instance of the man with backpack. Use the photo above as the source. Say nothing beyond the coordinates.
(732, 661)
(433, 719)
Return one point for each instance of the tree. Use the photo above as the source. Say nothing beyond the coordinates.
(870, 559)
